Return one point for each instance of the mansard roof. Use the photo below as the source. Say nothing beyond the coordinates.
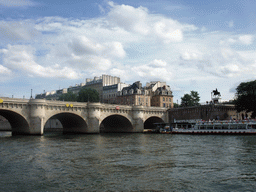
(163, 91)
(135, 87)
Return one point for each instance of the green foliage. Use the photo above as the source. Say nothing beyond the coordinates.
(68, 97)
(191, 99)
(246, 97)
(88, 94)
(48, 97)
(175, 105)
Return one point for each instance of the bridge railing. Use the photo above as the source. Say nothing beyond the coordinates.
(75, 103)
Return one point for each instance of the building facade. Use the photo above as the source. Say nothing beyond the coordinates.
(110, 92)
(134, 94)
(162, 101)
(160, 93)
(207, 112)
(134, 99)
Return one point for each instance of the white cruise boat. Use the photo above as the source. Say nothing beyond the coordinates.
(246, 127)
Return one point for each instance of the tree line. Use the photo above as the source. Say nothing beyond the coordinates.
(84, 95)
(245, 98)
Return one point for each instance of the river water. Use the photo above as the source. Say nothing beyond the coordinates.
(127, 162)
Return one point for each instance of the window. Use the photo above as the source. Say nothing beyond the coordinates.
(163, 104)
(163, 99)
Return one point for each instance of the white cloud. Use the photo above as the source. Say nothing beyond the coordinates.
(17, 30)
(21, 58)
(238, 39)
(4, 70)
(124, 74)
(87, 54)
(230, 69)
(129, 18)
(114, 49)
(246, 39)
(220, 61)
(90, 62)
(5, 73)
(139, 20)
(157, 63)
(83, 45)
(191, 55)
(166, 31)
(152, 71)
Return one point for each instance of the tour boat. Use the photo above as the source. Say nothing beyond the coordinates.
(246, 127)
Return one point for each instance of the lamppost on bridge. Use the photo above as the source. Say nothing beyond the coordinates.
(31, 94)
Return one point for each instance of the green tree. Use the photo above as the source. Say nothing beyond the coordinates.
(191, 99)
(88, 94)
(175, 105)
(246, 97)
(70, 96)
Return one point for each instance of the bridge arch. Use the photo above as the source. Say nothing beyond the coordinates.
(71, 123)
(18, 122)
(149, 123)
(116, 124)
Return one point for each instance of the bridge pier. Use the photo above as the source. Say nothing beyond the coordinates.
(138, 124)
(93, 117)
(37, 114)
(36, 126)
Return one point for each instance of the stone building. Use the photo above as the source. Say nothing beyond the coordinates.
(206, 112)
(110, 92)
(160, 93)
(99, 82)
(134, 94)
(162, 98)
(153, 86)
(96, 83)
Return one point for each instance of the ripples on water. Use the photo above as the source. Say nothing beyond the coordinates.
(127, 162)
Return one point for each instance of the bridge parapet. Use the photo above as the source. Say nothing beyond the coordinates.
(11, 101)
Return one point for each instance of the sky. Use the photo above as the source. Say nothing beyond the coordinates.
(197, 45)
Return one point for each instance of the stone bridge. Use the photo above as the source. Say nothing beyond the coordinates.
(30, 116)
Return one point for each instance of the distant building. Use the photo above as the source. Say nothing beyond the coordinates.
(110, 92)
(96, 83)
(99, 82)
(153, 85)
(161, 94)
(134, 95)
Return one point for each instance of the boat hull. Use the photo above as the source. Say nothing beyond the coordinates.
(215, 132)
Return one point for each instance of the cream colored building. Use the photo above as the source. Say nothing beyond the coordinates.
(134, 94)
(160, 93)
